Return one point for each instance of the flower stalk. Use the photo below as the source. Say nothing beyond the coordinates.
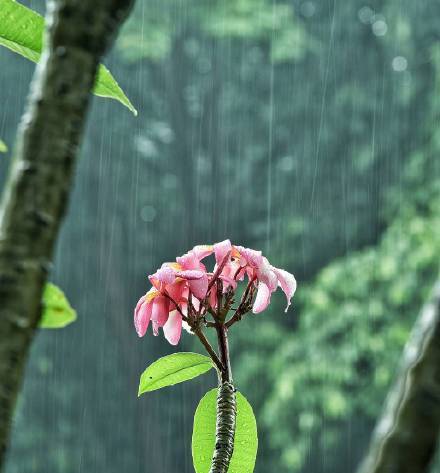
(226, 407)
(225, 428)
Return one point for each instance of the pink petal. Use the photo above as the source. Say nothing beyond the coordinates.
(189, 261)
(176, 290)
(202, 251)
(173, 328)
(196, 303)
(251, 257)
(155, 328)
(266, 274)
(213, 299)
(139, 303)
(165, 275)
(142, 315)
(221, 250)
(199, 287)
(191, 274)
(287, 282)
(154, 281)
(231, 268)
(263, 298)
(227, 281)
(160, 309)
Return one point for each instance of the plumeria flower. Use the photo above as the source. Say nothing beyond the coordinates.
(184, 291)
(171, 285)
(269, 278)
(257, 267)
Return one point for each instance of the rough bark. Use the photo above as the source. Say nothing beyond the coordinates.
(406, 435)
(225, 428)
(226, 410)
(36, 193)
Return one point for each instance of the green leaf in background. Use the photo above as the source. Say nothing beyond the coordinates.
(21, 31)
(203, 439)
(3, 147)
(173, 369)
(57, 312)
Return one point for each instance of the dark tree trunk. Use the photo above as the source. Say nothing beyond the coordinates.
(36, 193)
(406, 435)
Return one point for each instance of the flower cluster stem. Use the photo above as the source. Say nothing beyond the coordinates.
(226, 408)
(225, 428)
(223, 346)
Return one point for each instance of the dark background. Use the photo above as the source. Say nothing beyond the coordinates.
(307, 129)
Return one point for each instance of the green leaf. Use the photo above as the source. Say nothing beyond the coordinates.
(203, 439)
(3, 147)
(173, 369)
(21, 31)
(57, 312)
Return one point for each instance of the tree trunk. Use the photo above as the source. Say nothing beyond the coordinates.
(406, 436)
(36, 193)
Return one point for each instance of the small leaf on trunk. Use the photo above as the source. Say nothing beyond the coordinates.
(57, 312)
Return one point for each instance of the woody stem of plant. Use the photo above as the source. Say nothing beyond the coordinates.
(226, 407)
(209, 349)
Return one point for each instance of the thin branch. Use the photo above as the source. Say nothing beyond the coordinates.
(178, 308)
(244, 305)
(195, 327)
(223, 347)
(198, 332)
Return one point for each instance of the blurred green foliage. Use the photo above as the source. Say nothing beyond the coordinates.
(355, 319)
(261, 20)
(328, 379)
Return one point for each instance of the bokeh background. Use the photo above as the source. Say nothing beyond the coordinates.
(308, 129)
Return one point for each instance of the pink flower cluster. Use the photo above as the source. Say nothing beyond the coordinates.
(175, 284)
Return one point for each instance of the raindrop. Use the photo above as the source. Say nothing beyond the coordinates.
(308, 9)
(399, 63)
(145, 146)
(286, 164)
(163, 132)
(380, 28)
(366, 14)
(148, 213)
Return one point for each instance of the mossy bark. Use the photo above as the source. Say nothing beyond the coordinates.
(406, 435)
(36, 193)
